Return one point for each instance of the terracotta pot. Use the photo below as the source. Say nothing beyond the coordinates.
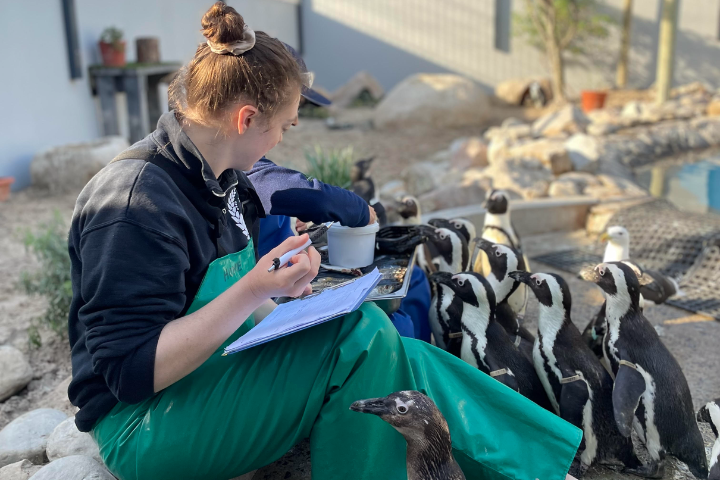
(593, 99)
(111, 55)
(5, 183)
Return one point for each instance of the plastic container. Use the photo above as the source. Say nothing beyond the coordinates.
(592, 100)
(352, 247)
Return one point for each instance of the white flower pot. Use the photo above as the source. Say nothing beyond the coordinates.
(352, 247)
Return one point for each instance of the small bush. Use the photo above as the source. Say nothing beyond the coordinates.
(52, 279)
(331, 166)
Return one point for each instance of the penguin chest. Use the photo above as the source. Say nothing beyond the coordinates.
(474, 342)
(714, 411)
(545, 370)
(439, 316)
(649, 400)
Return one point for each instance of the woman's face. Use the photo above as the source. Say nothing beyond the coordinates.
(262, 136)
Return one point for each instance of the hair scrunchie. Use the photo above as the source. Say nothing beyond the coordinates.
(236, 48)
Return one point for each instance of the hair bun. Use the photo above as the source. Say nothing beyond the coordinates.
(222, 24)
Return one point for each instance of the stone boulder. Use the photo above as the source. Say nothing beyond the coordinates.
(392, 189)
(469, 153)
(566, 121)
(16, 371)
(75, 467)
(510, 132)
(361, 82)
(433, 100)
(25, 438)
(572, 183)
(525, 177)
(424, 176)
(58, 398)
(611, 186)
(713, 108)
(515, 90)
(69, 167)
(550, 152)
(471, 190)
(584, 152)
(21, 470)
(67, 440)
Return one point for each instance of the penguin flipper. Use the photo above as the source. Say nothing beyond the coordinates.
(629, 386)
(573, 397)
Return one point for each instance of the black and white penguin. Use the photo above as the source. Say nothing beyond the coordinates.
(409, 209)
(485, 343)
(578, 386)
(710, 413)
(503, 260)
(362, 184)
(498, 229)
(445, 312)
(465, 227)
(417, 418)
(450, 251)
(649, 383)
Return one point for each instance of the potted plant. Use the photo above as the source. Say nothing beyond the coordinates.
(5, 183)
(594, 98)
(112, 47)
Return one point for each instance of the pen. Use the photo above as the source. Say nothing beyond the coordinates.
(279, 262)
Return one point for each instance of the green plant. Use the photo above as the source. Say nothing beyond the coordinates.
(112, 36)
(557, 26)
(52, 279)
(331, 166)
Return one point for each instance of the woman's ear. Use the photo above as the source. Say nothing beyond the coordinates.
(245, 116)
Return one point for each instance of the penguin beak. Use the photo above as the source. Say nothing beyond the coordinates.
(425, 230)
(604, 238)
(590, 274)
(374, 406)
(520, 276)
(441, 277)
(484, 245)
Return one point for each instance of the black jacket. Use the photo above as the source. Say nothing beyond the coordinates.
(139, 247)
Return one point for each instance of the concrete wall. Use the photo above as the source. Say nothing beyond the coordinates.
(394, 38)
(42, 107)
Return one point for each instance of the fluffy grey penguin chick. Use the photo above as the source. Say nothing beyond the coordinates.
(710, 413)
(650, 392)
(417, 418)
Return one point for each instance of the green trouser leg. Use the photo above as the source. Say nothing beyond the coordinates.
(237, 413)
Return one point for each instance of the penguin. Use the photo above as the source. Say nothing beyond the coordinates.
(503, 260)
(361, 183)
(445, 313)
(450, 251)
(465, 227)
(498, 228)
(649, 383)
(579, 387)
(409, 209)
(417, 418)
(485, 344)
(710, 413)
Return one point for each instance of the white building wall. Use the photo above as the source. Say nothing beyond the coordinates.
(42, 107)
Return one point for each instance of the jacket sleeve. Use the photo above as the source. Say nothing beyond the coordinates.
(133, 285)
(283, 191)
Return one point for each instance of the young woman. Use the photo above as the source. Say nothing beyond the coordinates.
(164, 275)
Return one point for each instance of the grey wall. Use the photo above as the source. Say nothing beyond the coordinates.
(43, 108)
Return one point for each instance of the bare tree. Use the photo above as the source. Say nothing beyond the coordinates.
(622, 67)
(559, 26)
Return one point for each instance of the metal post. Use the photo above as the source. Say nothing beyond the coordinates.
(666, 50)
(622, 68)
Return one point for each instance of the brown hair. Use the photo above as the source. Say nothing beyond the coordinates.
(265, 76)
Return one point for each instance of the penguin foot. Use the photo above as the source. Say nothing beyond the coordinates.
(578, 469)
(651, 470)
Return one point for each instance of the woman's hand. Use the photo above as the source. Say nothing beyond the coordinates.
(373, 215)
(288, 281)
(300, 226)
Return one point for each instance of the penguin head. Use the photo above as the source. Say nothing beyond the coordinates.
(550, 289)
(452, 246)
(472, 288)
(413, 414)
(409, 207)
(361, 169)
(502, 260)
(460, 225)
(496, 202)
(619, 280)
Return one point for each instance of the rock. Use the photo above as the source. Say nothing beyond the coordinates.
(21, 470)
(713, 108)
(69, 167)
(424, 176)
(514, 91)
(584, 152)
(16, 371)
(25, 437)
(689, 89)
(560, 188)
(392, 189)
(67, 440)
(633, 109)
(573, 183)
(526, 177)
(601, 129)
(512, 122)
(568, 120)
(361, 82)
(550, 152)
(433, 100)
(468, 152)
(510, 132)
(58, 398)
(75, 467)
(470, 190)
(612, 186)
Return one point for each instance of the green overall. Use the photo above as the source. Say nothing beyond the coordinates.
(237, 413)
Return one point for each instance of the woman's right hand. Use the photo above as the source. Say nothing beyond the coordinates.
(288, 281)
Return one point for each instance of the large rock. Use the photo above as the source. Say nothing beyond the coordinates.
(469, 153)
(514, 91)
(471, 190)
(393, 189)
(67, 440)
(526, 177)
(21, 470)
(550, 152)
(25, 437)
(69, 167)
(58, 398)
(361, 82)
(433, 100)
(572, 183)
(584, 152)
(611, 186)
(76, 467)
(511, 132)
(424, 176)
(568, 120)
(713, 108)
(16, 371)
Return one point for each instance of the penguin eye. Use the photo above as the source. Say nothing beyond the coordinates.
(402, 409)
(498, 253)
(443, 236)
(458, 225)
(601, 271)
(538, 282)
(461, 282)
